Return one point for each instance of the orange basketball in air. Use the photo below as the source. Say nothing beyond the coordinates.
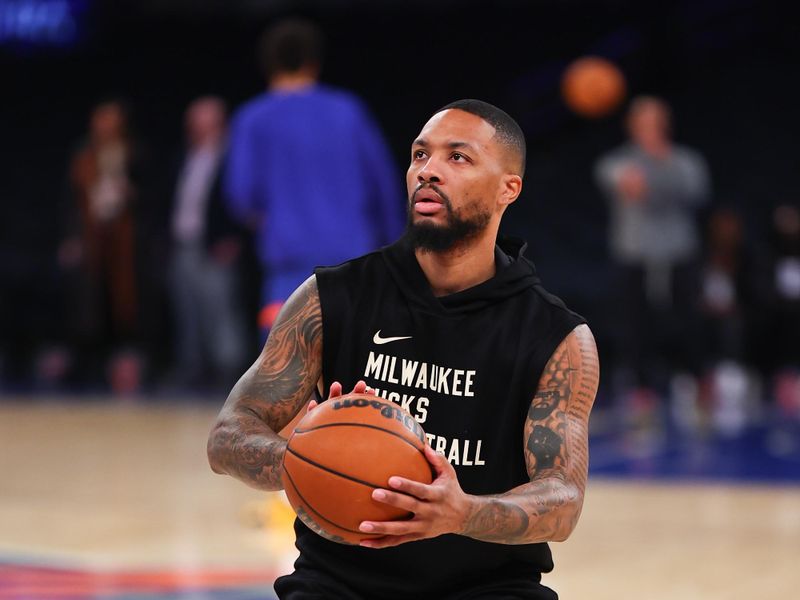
(593, 87)
(340, 452)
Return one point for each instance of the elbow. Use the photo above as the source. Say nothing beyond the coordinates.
(213, 450)
(566, 518)
(563, 532)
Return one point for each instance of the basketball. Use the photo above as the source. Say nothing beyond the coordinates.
(340, 452)
(592, 86)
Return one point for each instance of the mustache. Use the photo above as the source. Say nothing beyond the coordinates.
(440, 193)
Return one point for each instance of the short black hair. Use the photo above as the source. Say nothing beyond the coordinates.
(289, 45)
(507, 130)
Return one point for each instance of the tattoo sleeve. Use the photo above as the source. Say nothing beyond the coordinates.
(556, 453)
(244, 442)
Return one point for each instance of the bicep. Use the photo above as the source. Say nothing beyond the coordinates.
(556, 429)
(280, 381)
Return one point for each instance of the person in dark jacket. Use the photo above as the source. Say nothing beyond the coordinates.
(206, 248)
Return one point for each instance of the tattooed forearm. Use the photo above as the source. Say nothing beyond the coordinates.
(251, 453)
(244, 442)
(539, 511)
(556, 454)
(497, 520)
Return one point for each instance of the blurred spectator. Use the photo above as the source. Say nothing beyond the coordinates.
(784, 273)
(727, 302)
(99, 248)
(308, 169)
(782, 307)
(727, 294)
(655, 188)
(205, 257)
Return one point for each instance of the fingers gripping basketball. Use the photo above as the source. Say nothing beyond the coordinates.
(340, 452)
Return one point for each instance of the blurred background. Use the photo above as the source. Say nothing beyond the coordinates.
(689, 273)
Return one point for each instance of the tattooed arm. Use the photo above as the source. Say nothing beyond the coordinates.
(556, 454)
(244, 441)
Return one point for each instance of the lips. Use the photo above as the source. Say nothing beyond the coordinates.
(427, 202)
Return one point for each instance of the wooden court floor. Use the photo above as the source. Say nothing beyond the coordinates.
(110, 485)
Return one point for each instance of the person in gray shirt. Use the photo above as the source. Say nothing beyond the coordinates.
(655, 189)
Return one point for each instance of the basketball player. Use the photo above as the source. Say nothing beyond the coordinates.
(455, 325)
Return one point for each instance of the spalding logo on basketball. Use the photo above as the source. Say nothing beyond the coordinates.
(340, 452)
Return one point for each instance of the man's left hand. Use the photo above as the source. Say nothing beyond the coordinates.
(440, 507)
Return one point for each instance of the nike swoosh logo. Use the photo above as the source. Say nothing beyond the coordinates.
(385, 340)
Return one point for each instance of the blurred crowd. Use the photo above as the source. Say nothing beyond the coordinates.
(171, 271)
(706, 319)
(173, 266)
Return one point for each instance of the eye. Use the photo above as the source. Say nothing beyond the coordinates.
(417, 154)
(458, 157)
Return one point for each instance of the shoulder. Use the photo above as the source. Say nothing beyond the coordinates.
(549, 302)
(555, 303)
(346, 281)
(548, 322)
(341, 286)
(300, 312)
(345, 102)
(579, 348)
(349, 267)
(689, 154)
(554, 318)
(303, 301)
(251, 109)
(339, 94)
(606, 164)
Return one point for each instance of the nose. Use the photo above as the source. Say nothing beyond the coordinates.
(428, 173)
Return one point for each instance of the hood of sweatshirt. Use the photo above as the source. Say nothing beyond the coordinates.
(514, 274)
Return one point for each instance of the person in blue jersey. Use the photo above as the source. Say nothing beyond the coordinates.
(308, 168)
(453, 323)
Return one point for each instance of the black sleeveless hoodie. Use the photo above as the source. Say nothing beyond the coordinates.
(466, 366)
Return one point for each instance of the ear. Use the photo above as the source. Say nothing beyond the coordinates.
(510, 189)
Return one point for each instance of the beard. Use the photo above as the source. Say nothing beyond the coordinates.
(460, 227)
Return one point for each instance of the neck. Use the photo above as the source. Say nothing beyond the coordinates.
(106, 140)
(209, 143)
(460, 268)
(289, 82)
